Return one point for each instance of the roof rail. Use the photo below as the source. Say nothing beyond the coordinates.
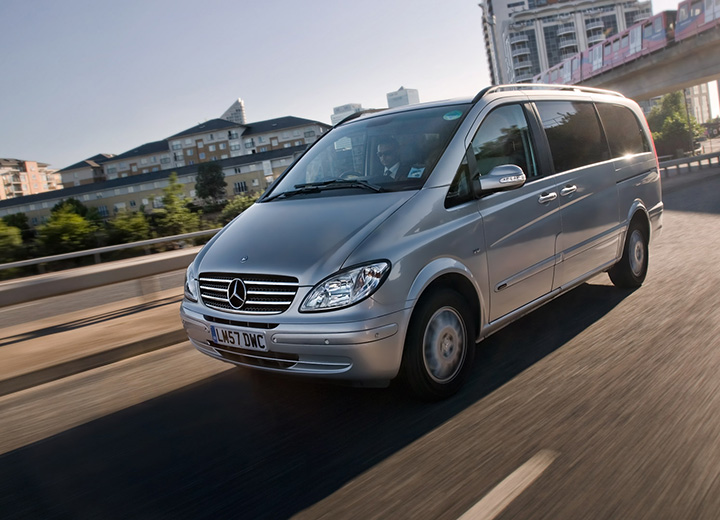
(543, 86)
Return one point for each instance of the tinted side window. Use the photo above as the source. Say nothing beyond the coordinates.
(503, 138)
(624, 132)
(573, 132)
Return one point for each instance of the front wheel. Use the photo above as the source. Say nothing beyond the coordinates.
(440, 346)
(630, 271)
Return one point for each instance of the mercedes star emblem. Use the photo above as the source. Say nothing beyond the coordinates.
(236, 294)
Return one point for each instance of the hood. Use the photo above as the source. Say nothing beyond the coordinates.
(308, 238)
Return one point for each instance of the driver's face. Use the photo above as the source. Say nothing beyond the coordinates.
(388, 154)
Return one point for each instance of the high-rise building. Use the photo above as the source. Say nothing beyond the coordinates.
(19, 178)
(402, 96)
(698, 102)
(526, 37)
(236, 113)
(341, 112)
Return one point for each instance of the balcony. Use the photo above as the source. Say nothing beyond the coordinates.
(520, 38)
(522, 78)
(567, 42)
(596, 38)
(520, 51)
(594, 25)
(568, 28)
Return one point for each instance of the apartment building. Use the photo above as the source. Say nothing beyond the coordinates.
(246, 174)
(525, 37)
(85, 172)
(214, 140)
(20, 178)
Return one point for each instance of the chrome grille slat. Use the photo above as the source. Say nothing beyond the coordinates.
(265, 294)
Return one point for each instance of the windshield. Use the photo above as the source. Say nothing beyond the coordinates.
(390, 152)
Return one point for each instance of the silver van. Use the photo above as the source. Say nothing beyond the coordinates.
(403, 237)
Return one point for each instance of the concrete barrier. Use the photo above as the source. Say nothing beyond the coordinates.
(142, 268)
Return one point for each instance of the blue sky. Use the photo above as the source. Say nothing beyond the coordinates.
(82, 77)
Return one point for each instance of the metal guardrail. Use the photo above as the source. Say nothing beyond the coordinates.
(108, 249)
(688, 164)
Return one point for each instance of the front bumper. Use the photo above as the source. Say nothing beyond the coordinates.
(369, 350)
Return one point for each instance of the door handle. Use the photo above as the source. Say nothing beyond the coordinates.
(547, 197)
(567, 190)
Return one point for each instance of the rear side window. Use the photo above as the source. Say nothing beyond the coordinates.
(624, 132)
(574, 134)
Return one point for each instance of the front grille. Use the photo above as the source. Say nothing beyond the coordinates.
(263, 294)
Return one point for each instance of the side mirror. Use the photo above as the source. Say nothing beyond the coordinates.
(500, 178)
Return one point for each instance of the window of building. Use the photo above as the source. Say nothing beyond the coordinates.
(134, 168)
(240, 187)
(158, 202)
(102, 210)
(165, 160)
(189, 151)
(223, 146)
(211, 148)
(177, 145)
(133, 203)
(263, 149)
(232, 134)
(310, 133)
(212, 137)
(202, 155)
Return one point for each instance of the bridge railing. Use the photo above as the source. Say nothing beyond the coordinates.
(689, 164)
(41, 261)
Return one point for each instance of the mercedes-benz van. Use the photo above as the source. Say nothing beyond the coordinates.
(403, 237)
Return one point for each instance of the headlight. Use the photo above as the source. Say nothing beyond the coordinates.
(346, 288)
(191, 284)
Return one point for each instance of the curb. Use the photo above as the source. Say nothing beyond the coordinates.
(82, 364)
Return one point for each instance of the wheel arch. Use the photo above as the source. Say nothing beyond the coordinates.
(450, 274)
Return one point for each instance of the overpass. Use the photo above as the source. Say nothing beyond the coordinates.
(681, 65)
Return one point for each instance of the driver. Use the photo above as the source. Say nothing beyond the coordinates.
(388, 152)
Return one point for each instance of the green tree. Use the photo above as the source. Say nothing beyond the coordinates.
(66, 231)
(210, 182)
(235, 206)
(129, 227)
(175, 218)
(10, 241)
(674, 129)
(20, 221)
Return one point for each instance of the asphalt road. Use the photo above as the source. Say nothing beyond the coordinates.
(603, 404)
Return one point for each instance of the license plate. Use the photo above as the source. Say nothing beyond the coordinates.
(238, 338)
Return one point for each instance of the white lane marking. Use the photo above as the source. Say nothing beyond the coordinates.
(506, 491)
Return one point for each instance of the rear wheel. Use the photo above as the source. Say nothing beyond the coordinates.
(440, 346)
(631, 270)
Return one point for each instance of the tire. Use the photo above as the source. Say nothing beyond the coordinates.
(630, 271)
(439, 347)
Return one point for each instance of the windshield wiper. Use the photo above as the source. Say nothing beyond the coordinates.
(316, 187)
